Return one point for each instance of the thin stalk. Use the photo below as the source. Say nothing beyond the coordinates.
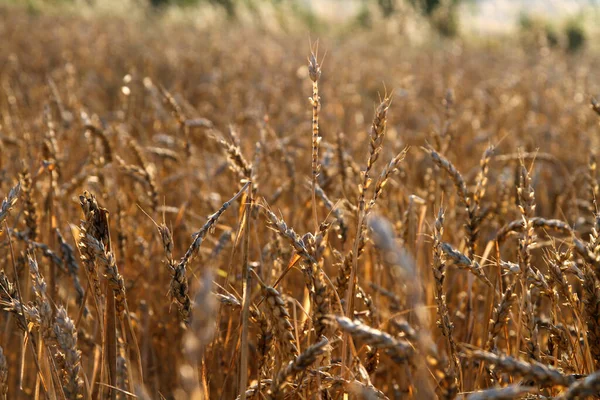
(246, 293)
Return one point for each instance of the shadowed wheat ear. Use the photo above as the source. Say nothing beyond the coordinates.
(177, 113)
(554, 225)
(235, 159)
(200, 334)
(3, 375)
(453, 173)
(106, 259)
(595, 105)
(540, 374)
(591, 299)
(211, 221)
(589, 386)
(463, 262)
(288, 233)
(29, 204)
(505, 393)
(9, 201)
(264, 342)
(67, 255)
(96, 249)
(92, 131)
(280, 319)
(148, 171)
(90, 226)
(143, 175)
(301, 363)
(482, 175)
(398, 350)
(265, 336)
(179, 286)
(592, 178)
(471, 206)
(66, 338)
(10, 300)
(439, 273)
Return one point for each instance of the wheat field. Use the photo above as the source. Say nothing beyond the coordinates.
(194, 212)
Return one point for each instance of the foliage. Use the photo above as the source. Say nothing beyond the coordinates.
(539, 31)
(576, 35)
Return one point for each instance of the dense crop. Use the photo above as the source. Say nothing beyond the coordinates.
(182, 222)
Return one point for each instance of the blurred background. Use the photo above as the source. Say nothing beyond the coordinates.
(559, 22)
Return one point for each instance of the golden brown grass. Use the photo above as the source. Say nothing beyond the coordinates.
(440, 240)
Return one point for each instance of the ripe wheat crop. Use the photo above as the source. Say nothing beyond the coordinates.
(204, 215)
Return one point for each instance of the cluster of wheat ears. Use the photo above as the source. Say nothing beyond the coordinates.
(443, 243)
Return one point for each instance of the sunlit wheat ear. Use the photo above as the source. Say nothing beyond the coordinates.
(526, 206)
(376, 136)
(526, 198)
(314, 72)
(42, 303)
